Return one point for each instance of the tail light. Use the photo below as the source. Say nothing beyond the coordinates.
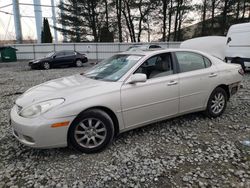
(241, 71)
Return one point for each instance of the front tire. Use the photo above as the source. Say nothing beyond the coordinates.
(91, 131)
(46, 65)
(217, 103)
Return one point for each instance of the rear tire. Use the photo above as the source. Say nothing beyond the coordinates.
(79, 63)
(217, 103)
(91, 131)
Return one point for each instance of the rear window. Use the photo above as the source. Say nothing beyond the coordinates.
(59, 53)
(154, 46)
(207, 62)
(190, 61)
(69, 53)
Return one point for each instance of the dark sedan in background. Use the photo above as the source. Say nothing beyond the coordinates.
(142, 47)
(58, 59)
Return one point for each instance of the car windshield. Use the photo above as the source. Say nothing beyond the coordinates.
(113, 68)
(49, 54)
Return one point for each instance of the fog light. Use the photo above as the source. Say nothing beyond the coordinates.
(28, 138)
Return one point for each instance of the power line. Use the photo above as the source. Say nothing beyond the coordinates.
(7, 29)
(21, 15)
(30, 29)
(6, 5)
(28, 4)
(2, 24)
(6, 12)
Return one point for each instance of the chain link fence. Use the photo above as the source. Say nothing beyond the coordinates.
(92, 50)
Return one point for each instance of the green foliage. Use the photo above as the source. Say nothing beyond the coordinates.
(106, 35)
(46, 36)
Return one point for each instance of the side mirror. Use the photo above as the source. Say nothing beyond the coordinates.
(54, 56)
(138, 77)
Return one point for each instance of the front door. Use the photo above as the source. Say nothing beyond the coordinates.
(59, 58)
(155, 99)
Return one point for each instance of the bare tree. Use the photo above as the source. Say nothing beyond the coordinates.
(170, 12)
(119, 18)
(204, 11)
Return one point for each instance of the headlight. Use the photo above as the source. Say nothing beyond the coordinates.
(37, 61)
(40, 108)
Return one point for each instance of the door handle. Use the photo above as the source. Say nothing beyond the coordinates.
(172, 82)
(212, 75)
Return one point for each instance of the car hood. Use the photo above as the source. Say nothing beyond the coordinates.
(40, 59)
(65, 87)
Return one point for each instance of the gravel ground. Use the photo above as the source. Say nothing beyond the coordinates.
(189, 151)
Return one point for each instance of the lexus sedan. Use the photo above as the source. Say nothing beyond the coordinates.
(58, 59)
(126, 91)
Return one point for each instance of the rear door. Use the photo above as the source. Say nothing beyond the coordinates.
(69, 57)
(197, 78)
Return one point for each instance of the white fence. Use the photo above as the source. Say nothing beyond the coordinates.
(92, 50)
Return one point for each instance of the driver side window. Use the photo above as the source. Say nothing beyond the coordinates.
(157, 66)
(58, 54)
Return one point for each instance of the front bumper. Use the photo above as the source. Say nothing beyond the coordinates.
(35, 65)
(85, 60)
(37, 132)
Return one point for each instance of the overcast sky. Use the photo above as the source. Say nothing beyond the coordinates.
(7, 29)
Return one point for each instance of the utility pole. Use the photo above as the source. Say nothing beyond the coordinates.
(38, 17)
(54, 20)
(17, 20)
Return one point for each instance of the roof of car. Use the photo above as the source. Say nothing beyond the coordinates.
(65, 51)
(156, 51)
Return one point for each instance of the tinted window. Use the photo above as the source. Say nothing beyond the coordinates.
(189, 61)
(207, 62)
(69, 53)
(157, 66)
(154, 46)
(59, 53)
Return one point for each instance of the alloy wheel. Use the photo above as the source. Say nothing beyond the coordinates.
(90, 133)
(46, 65)
(218, 103)
(78, 63)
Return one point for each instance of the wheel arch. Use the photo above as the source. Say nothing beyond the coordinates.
(77, 58)
(109, 112)
(226, 88)
(47, 61)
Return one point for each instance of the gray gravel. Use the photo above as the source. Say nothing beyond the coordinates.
(189, 151)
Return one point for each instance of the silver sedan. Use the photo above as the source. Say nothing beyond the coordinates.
(126, 91)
